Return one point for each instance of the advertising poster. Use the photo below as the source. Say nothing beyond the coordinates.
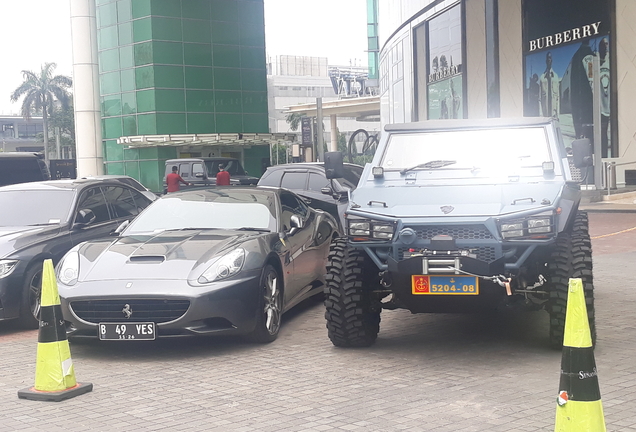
(559, 75)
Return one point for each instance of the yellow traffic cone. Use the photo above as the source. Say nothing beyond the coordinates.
(54, 372)
(579, 407)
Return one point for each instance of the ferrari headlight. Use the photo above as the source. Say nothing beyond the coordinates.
(226, 266)
(68, 270)
(6, 267)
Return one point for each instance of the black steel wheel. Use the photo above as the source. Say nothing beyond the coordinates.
(31, 296)
(352, 311)
(270, 307)
(571, 258)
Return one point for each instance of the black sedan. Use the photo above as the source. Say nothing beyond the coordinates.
(43, 220)
(228, 260)
(308, 180)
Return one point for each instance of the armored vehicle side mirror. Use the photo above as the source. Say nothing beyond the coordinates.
(582, 153)
(334, 167)
(326, 190)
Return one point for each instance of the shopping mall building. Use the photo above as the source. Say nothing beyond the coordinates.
(188, 77)
(512, 58)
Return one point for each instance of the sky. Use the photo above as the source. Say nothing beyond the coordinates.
(38, 31)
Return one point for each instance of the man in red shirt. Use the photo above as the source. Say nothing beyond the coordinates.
(173, 179)
(222, 177)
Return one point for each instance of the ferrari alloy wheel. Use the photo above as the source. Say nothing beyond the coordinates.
(270, 307)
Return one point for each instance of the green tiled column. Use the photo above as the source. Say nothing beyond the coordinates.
(179, 67)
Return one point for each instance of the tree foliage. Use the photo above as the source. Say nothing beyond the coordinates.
(39, 91)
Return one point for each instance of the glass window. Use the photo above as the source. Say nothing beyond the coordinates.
(229, 210)
(33, 207)
(184, 170)
(121, 201)
(128, 79)
(317, 182)
(124, 10)
(108, 37)
(125, 33)
(107, 15)
(294, 180)
(271, 178)
(126, 57)
(129, 125)
(198, 168)
(493, 154)
(109, 60)
(128, 103)
(111, 105)
(445, 80)
(290, 205)
(110, 82)
(93, 199)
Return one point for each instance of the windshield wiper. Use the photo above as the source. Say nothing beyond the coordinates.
(434, 164)
(253, 229)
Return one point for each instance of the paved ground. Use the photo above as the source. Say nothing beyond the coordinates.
(426, 373)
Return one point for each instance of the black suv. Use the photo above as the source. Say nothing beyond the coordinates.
(43, 220)
(309, 181)
(22, 167)
(202, 171)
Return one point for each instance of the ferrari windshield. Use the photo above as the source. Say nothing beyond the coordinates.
(207, 210)
(35, 207)
(488, 152)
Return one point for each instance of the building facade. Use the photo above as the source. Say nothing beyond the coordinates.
(180, 68)
(295, 80)
(570, 59)
(18, 134)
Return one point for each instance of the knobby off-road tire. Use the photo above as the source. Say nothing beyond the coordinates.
(571, 258)
(352, 310)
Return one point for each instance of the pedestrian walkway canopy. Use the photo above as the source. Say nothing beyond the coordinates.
(181, 140)
(362, 108)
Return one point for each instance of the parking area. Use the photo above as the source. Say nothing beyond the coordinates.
(425, 373)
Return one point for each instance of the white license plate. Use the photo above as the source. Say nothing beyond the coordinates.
(127, 331)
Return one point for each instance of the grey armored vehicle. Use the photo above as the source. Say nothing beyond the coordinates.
(460, 216)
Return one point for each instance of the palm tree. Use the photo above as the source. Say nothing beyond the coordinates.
(40, 91)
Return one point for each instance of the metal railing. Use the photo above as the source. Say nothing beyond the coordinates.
(609, 168)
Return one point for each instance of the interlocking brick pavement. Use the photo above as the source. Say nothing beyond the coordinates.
(441, 373)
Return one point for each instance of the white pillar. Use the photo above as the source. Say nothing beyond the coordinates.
(88, 121)
(334, 133)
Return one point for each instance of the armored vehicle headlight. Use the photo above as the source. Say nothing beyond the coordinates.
(359, 228)
(382, 231)
(542, 225)
(509, 230)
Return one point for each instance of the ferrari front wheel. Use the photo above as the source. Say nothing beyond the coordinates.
(270, 307)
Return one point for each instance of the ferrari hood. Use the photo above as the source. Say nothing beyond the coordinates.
(166, 255)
